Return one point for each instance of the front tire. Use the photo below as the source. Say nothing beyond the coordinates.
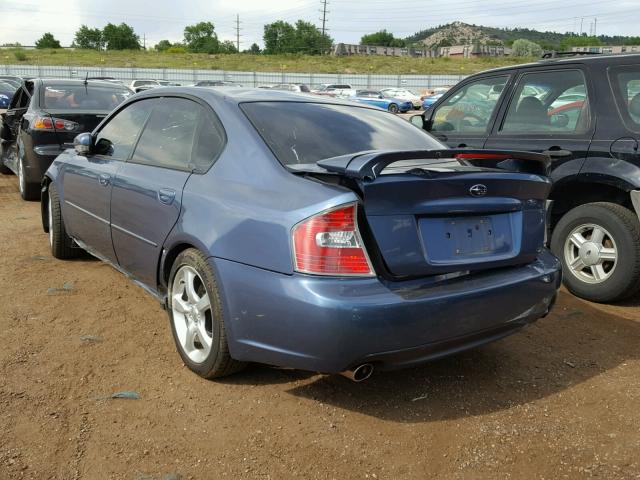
(59, 241)
(196, 316)
(599, 247)
(393, 108)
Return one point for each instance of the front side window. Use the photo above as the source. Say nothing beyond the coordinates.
(83, 97)
(549, 103)
(117, 138)
(469, 110)
(180, 134)
(301, 133)
(625, 81)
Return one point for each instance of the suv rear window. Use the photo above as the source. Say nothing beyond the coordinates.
(625, 81)
(299, 133)
(81, 97)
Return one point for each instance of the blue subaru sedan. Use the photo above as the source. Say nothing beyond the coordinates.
(305, 232)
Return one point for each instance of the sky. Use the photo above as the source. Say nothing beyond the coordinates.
(347, 20)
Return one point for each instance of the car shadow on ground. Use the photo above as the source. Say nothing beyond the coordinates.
(574, 344)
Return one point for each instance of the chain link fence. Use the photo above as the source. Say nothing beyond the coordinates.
(247, 79)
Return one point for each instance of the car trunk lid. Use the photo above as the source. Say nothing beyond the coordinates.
(443, 211)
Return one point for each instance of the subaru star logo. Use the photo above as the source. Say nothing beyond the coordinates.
(478, 190)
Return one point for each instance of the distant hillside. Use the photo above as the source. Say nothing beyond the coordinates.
(457, 33)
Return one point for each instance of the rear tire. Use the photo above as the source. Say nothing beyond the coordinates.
(28, 191)
(196, 317)
(59, 241)
(606, 268)
(393, 108)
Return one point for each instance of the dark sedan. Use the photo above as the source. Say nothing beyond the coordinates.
(303, 232)
(43, 116)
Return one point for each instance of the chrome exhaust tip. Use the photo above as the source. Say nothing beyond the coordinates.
(359, 373)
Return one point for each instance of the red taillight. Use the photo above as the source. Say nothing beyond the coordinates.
(329, 244)
(49, 123)
(43, 123)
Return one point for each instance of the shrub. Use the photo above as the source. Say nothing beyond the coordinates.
(20, 55)
(176, 50)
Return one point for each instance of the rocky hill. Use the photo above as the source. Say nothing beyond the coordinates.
(458, 33)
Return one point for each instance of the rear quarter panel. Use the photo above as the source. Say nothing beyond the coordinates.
(244, 207)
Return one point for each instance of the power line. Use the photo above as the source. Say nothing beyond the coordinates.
(238, 31)
(324, 16)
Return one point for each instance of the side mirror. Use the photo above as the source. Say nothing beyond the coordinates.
(83, 143)
(417, 120)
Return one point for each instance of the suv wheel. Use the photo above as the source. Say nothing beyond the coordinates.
(196, 316)
(599, 247)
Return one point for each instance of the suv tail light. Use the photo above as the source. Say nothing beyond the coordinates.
(329, 243)
(51, 123)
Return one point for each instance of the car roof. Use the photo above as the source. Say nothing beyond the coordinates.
(614, 59)
(243, 95)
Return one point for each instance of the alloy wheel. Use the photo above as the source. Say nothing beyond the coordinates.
(191, 309)
(590, 253)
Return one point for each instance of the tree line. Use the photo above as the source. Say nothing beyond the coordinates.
(279, 37)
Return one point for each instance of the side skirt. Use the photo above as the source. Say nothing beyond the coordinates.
(161, 298)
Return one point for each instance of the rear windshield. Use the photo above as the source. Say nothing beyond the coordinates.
(625, 81)
(81, 97)
(299, 133)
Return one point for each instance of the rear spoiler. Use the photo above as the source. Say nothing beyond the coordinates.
(369, 164)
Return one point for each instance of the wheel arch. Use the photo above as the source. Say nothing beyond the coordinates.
(172, 248)
(573, 193)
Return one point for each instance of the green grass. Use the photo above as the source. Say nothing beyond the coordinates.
(257, 63)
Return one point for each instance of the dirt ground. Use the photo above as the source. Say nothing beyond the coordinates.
(558, 400)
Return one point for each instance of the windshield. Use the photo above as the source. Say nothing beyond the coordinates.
(83, 97)
(299, 133)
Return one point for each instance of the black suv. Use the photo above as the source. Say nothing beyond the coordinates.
(584, 112)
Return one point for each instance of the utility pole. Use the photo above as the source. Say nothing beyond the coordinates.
(324, 12)
(144, 41)
(595, 27)
(581, 22)
(238, 32)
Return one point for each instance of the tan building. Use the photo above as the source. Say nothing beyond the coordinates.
(453, 51)
(474, 51)
(609, 49)
(352, 49)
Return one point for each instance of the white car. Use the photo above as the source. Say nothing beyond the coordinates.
(334, 90)
(404, 94)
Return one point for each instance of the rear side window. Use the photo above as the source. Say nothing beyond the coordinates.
(300, 133)
(83, 97)
(180, 134)
(625, 81)
(549, 103)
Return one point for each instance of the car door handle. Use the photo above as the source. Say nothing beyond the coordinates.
(166, 195)
(557, 152)
(104, 179)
